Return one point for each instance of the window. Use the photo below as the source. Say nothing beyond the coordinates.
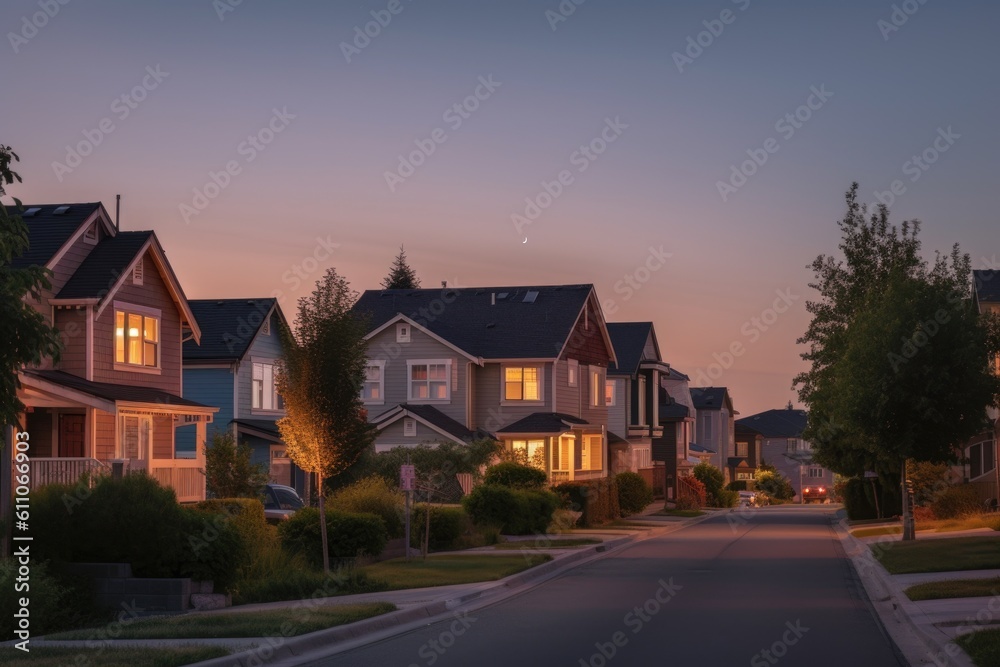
(588, 452)
(560, 454)
(409, 427)
(641, 398)
(402, 333)
(532, 450)
(90, 236)
(265, 328)
(744, 475)
(706, 429)
(264, 396)
(137, 339)
(815, 473)
(137, 273)
(596, 387)
(572, 372)
(430, 380)
(522, 383)
(742, 449)
(609, 392)
(793, 445)
(136, 434)
(374, 387)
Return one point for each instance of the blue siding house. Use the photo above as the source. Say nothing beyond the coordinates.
(234, 370)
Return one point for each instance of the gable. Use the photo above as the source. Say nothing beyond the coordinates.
(588, 341)
(49, 232)
(230, 327)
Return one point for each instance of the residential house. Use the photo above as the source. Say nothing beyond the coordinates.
(715, 426)
(785, 449)
(982, 452)
(746, 458)
(526, 365)
(672, 449)
(234, 369)
(632, 395)
(114, 399)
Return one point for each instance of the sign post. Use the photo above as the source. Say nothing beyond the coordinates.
(407, 482)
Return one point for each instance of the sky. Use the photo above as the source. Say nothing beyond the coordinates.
(689, 159)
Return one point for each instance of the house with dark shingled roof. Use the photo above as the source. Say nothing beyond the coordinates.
(715, 426)
(526, 365)
(115, 395)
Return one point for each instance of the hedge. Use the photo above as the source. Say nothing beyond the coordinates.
(514, 511)
(448, 524)
(348, 535)
(596, 499)
(516, 476)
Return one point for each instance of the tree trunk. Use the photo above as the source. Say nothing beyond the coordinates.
(322, 526)
(908, 531)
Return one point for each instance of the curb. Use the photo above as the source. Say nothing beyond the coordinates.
(888, 599)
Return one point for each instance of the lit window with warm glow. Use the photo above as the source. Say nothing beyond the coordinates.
(522, 383)
(137, 339)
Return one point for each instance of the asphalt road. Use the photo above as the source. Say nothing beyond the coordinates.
(772, 587)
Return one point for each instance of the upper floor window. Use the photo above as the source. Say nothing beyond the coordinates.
(793, 445)
(610, 389)
(706, 428)
(572, 372)
(374, 387)
(137, 339)
(815, 472)
(742, 449)
(430, 380)
(264, 396)
(402, 333)
(522, 383)
(596, 387)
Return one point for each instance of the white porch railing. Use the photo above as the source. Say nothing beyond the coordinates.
(182, 475)
(557, 476)
(64, 470)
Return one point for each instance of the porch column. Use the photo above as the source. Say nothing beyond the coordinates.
(90, 433)
(200, 437)
(572, 457)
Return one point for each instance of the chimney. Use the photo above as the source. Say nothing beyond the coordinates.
(444, 284)
(493, 298)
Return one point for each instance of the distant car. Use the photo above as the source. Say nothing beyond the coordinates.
(814, 494)
(280, 502)
(747, 499)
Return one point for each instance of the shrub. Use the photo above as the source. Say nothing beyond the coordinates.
(727, 498)
(515, 476)
(448, 524)
(437, 465)
(515, 511)
(690, 494)
(774, 484)
(921, 513)
(372, 495)
(229, 470)
(246, 515)
(737, 485)
(711, 477)
(634, 495)
(596, 499)
(348, 535)
(212, 549)
(57, 602)
(957, 501)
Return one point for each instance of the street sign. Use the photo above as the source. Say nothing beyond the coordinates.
(407, 477)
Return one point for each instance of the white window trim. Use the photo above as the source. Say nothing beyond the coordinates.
(402, 327)
(139, 268)
(409, 427)
(274, 376)
(87, 238)
(614, 392)
(573, 372)
(381, 365)
(410, 363)
(597, 388)
(135, 309)
(641, 400)
(503, 383)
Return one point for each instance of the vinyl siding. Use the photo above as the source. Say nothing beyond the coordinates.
(594, 415)
(265, 349)
(392, 436)
(105, 436)
(774, 454)
(567, 397)
(618, 413)
(490, 414)
(649, 349)
(72, 325)
(209, 386)
(64, 270)
(163, 437)
(586, 342)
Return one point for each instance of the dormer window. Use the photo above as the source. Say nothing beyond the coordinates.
(90, 236)
(402, 333)
(137, 273)
(137, 338)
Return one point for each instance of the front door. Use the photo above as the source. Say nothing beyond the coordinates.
(72, 436)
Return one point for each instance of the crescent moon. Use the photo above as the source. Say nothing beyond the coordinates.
(525, 240)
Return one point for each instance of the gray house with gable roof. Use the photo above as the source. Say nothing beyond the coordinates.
(524, 365)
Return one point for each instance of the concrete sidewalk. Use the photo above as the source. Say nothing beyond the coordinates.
(924, 631)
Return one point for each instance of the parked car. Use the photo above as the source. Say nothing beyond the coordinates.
(814, 494)
(280, 502)
(747, 499)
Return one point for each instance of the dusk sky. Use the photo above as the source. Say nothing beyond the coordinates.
(663, 121)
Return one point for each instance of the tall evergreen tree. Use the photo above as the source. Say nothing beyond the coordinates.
(401, 276)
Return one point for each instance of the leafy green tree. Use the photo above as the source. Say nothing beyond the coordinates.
(773, 483)
(437, 465)
(320, 376)
(229, 470)
(27, 337)
(401, 276)
(713, 479)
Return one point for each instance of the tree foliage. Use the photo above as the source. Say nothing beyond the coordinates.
(401, 276)
(27, 337)
(899, 354)
(229, 469)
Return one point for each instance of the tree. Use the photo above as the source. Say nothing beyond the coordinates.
(27, 337)
(401, 276)
(229, 471)
(713, 479)
(768, 480)
(899, 355)
(320, 376)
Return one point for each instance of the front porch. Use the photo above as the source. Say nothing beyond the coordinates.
(572, 455)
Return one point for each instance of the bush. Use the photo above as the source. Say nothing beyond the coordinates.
(634, 495)
(448, 524)
(515, 511)
(437, 465)
(691, 494)
(302, 583)
(229, 470)
(213, 548)
(859, 499)
(246, 516)
(57, 603)
(348, 535)
(515, 476)
(774, 484)
(372, 495)
(597, 500)
(738, 485)
(957, 501)
(727, 498)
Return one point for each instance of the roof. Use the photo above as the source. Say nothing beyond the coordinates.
(48, 232)
(737, 462)
(629, 340)
(987, 285)
(676, 375)
(694, 447)
(228, 327)
(116, 392)
(673, 410)
(430, 415)
(708, 398)
(615, 439)
(782, 423)
(525, 322)
(269, 426)
(543, 422)
(104, 265)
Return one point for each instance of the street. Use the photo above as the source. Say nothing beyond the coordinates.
(754, 588)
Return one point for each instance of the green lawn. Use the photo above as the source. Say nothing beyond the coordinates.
(983, 647)
(940, 555)
(534, 545)
(991, 521)
(109, 657)
(959, 588)
(445, 570)
(877, 531)
(242, 624)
